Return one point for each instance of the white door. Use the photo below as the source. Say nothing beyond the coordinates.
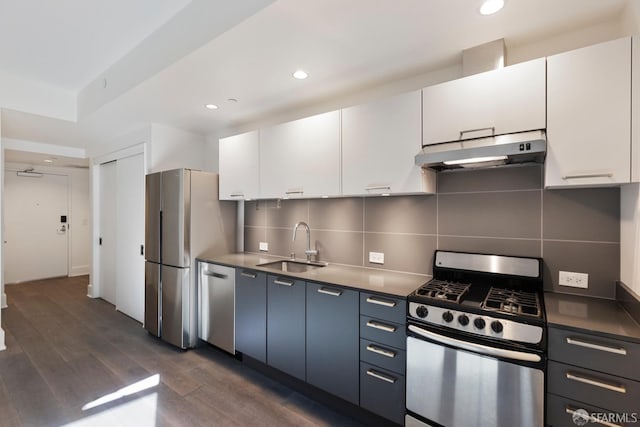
(130, 236)
(36, 238)
(107, 238)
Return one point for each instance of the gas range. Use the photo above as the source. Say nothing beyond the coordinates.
(483, 296)
(476, 343)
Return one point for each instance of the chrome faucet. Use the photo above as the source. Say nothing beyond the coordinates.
(309, 252)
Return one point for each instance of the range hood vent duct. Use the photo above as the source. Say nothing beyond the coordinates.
(523, 147)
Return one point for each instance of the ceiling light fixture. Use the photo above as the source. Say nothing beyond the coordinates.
(300, 75)
(211, 106)
(48, 160)
(489, 7)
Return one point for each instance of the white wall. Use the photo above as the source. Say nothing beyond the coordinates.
(211, 156)
(630, 237)
(79, 215)
(172, 148)
(3, 297)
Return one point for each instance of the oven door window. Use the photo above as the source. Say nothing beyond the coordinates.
(459, 388)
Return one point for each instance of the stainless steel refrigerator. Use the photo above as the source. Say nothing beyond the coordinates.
(184, 220)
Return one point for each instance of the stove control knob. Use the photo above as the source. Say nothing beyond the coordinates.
(479, 323)
(447, 316)
(422, 311)
(463, 320)
(496, 326)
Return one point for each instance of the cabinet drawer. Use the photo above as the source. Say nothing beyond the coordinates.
(590, 351)
(383, 332)
(593, 388)
(560, 412)
(383, 356)
(382, 392)
(383, 307)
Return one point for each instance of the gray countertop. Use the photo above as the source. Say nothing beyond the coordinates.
(367, 279)
(593, 315)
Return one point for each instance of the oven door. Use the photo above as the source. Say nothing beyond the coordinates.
(459, 383)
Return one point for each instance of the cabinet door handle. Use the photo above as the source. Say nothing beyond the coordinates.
(294, 191)
(383, 302)
(588, 175)
(332, 292)
(381, 351)
(283, 282)
(381, 326)
(597, 383)
(249, 275)
(491, 128)
(214, 274)
(378, 187)
(570, 410)
(236, 195)
(594, 346)
(381, 376)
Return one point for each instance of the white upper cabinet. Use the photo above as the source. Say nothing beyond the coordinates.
(239, 166)
(379, 142)
(301, 158)
(589, 116)
(506, 100)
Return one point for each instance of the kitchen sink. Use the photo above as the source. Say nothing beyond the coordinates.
(292, 266)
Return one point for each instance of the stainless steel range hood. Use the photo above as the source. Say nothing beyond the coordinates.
(523, 147)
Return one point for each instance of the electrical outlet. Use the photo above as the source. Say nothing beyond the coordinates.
(574, 280)
(376, 257)
(264, 246)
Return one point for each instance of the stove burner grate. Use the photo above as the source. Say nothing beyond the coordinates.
(443, 290)
(512, 301)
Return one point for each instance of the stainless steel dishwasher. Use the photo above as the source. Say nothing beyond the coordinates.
(217, 295)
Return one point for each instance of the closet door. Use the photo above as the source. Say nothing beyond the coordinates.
(130, 236)
(107, 238)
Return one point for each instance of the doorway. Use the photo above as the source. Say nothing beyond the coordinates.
(36, 237)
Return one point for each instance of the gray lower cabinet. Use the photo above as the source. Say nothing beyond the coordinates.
(590, 374)
(332, 340)
(251, 314)
(383, 341)
(286, 307)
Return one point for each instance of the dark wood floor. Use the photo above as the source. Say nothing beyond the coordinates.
(65, 350)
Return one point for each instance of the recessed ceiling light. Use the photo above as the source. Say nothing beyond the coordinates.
(48, 160)
(300, 75)
(489, 7)
(232, 100)
(211, 106)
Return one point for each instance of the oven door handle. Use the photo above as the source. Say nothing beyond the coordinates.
(478, 348)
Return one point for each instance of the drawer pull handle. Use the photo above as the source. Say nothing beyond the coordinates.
(383, 302)
(249, 275)
(382, 351)
(216, 275)
(596, 383)
(236, 195)
(569, 410)
(294, 191)
(332, 292)
(588, 175)
(595, 346)
(381, 326)
(381, 376)
(283, 282)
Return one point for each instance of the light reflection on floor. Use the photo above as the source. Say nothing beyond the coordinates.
(140, 412)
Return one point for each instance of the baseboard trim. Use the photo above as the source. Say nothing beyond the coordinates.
(79, 270)
(90, 291)
(3, 301)
(2, 346)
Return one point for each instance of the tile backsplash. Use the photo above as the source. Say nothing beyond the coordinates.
(502, 211)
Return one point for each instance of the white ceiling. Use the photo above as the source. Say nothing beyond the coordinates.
(346, 46)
